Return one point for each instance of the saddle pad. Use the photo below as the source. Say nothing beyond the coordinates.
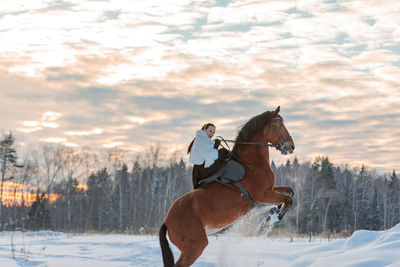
(229, 172)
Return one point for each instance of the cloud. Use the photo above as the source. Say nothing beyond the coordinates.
(54, 140)
(114, 144)
(50, 116)
(154, 72)
(80, 133)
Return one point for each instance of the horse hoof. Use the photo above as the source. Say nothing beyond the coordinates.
(274, 210)
(291, 192)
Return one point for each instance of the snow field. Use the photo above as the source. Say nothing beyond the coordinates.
(46, 248)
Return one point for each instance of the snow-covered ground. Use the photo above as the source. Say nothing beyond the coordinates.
(363, 248)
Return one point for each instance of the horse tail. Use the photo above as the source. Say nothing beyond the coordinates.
(168, 257)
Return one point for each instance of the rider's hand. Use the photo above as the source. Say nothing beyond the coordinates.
(217, 143)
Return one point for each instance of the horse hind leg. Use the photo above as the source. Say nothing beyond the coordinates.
(191, 251)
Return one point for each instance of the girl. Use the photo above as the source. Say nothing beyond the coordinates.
(204, 154)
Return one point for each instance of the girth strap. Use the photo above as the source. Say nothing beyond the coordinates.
(245, 194)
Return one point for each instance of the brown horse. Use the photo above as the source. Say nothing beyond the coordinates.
(215, 206)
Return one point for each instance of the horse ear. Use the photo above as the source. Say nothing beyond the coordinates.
(276, 112)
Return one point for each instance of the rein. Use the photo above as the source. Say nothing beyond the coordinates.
(245, 143)
(282, 142)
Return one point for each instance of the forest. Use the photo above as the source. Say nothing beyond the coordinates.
(54, 187)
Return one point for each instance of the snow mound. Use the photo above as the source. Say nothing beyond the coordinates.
(372, 238)
(361, 238)
(363, 249)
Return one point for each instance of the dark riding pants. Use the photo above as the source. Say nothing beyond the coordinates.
(199, 172)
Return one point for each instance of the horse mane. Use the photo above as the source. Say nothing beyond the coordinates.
(254, 125)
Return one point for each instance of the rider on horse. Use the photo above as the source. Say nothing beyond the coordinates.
(215, 205)
(204, 154)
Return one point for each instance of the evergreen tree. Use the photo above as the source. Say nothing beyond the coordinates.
(374, 219)
(38, 216)
(288, 163)
(8, 160)
(93, 195)
(296, 164)
(136, 187)
(121, 196)
(273, 166)
(394, 187)
(105, 201)
(326, 177)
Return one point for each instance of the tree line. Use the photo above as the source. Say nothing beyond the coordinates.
(107, 193)
(332, 198)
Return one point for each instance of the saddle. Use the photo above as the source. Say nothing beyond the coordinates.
(230, 171)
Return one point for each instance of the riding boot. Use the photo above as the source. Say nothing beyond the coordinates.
(196, 175)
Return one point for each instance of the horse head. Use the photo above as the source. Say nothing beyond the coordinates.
(277, 134)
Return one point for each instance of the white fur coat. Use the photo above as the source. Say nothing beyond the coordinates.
(203, 150)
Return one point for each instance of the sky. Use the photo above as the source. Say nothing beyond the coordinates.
(131, 74)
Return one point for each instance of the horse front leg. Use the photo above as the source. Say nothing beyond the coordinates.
(284, 190)
(281, 195)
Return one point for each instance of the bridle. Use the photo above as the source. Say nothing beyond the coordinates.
(282, 141)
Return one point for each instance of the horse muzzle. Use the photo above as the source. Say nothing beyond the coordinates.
(286, 148)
